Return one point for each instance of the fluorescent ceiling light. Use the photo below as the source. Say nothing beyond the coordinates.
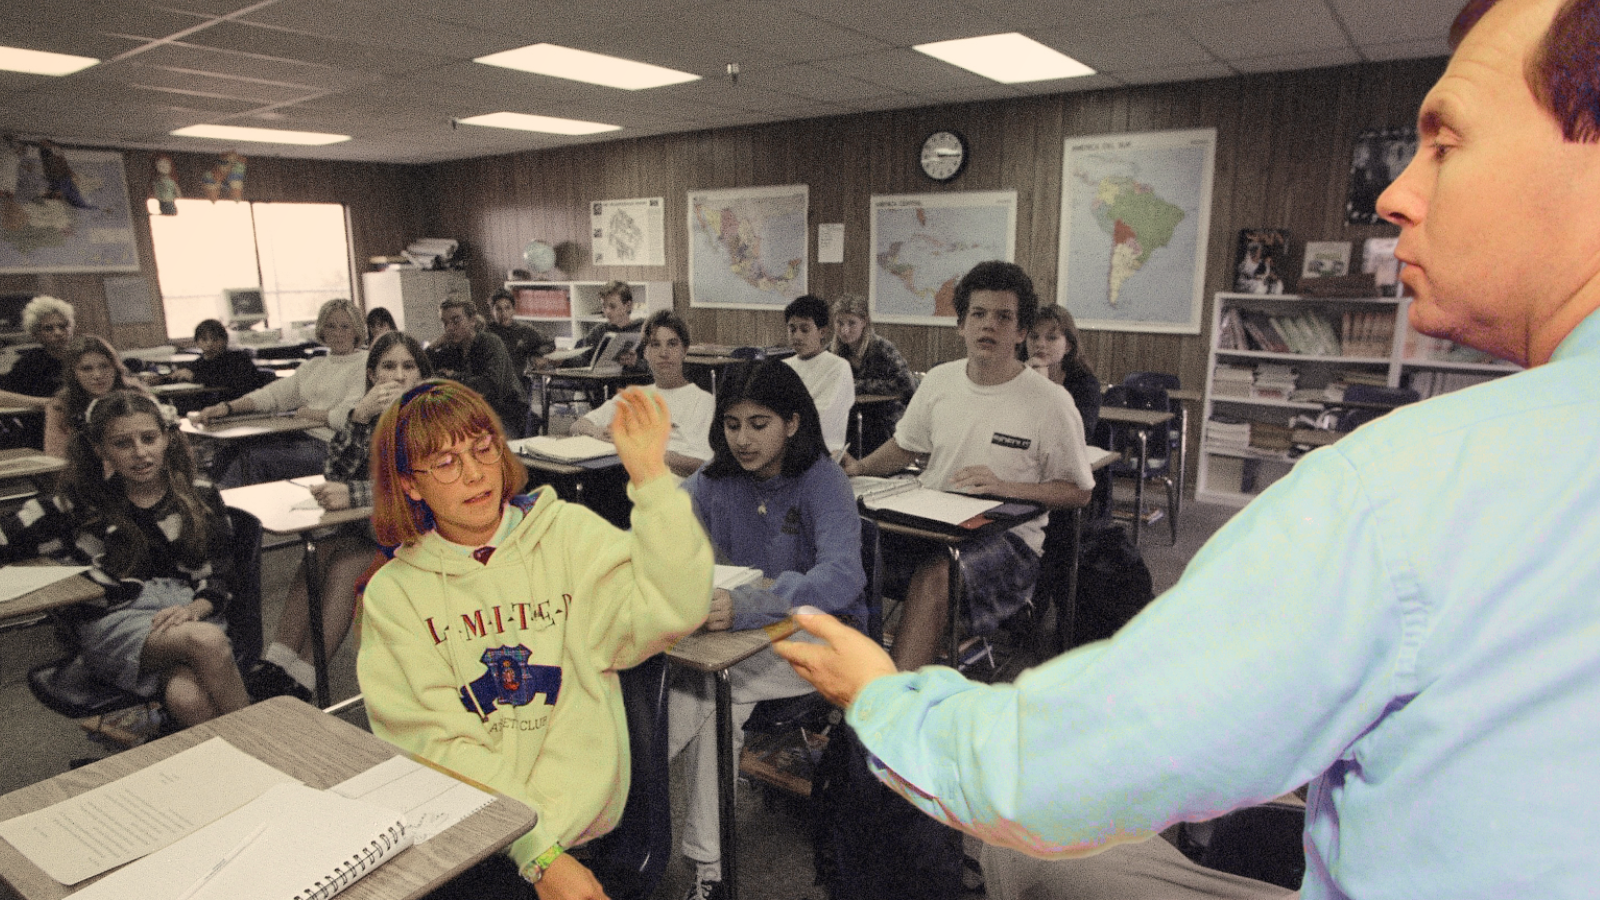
(38, 62)
(546, 124)
(1007, 58)
(581, 65)
(260, 135)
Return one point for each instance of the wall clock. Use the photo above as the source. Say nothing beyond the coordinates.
(944, 155)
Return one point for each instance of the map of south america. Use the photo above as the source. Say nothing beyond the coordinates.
(1139, 223)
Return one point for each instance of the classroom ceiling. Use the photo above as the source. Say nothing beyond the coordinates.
(393, 74)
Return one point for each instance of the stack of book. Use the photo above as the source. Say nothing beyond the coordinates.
(1274, 382)
(1431, 384)
(1232, 381)
(1367, 333)
(1267, 436)
(1224, 433)
(1230, 331)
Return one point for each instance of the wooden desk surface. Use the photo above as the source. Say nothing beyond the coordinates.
(566, 470)
(65, 592)
(252, 425)
(597, 377)
(874, 399)
(1145, 418)
(713, 651)
(26, 462)
(1185, 395)
(273, 503)
(179, 389)
(318, 749)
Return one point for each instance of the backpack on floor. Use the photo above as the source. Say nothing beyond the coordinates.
(1113, 583)
(869, 842)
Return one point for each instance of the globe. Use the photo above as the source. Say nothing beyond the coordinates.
(539, 256)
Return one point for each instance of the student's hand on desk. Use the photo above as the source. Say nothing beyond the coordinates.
(178, 615)
(640, 431)
(214, 411)
(333, 495)
(975, 480)
(721, 615)
(568, 879)
(315, 415)
(150, 377)
(181, 375)
(374, 402)
(843, 665)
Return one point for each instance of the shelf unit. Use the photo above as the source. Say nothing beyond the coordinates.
(566, 310)
(1234, 475)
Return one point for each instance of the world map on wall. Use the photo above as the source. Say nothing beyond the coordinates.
(1134, 216)
(748, 246)
(923, 243)
(87, 228)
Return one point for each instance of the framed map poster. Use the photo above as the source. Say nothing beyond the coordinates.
(1135, 217)
(42, 231)
(748, 247)
(628, 232)
(923, 243)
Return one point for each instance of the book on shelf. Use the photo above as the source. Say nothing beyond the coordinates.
(577, 448)
(1231, 331)
(1262, 333)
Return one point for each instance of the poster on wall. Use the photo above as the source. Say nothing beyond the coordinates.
(923, 243)
(1379, 156)
(71, 215)
(628, 232)
(748, 246)
(1135, 218)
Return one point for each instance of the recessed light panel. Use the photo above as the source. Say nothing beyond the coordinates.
(1007, 58)
(545, 124)
(38, 62)
(260, 135)
(581, 65)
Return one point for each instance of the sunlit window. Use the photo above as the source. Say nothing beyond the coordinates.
(298, 254)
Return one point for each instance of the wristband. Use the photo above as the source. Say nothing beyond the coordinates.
(533, 871)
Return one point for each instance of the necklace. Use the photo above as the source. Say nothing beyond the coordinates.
(762, 507)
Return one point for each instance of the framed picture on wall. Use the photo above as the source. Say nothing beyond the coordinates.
(748, 247)
(1135, 217)
(923, 243)
(1380, 155)
(71, 219)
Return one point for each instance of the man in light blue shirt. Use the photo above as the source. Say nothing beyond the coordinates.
(1410, 621)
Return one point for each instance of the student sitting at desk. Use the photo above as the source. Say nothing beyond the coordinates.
(666, 342)
(93, 371)
(38, 372)
(526, 344)
(992, 426)
(395, 364)
(156, 538)
(232, 373)
(478, 360)
(491, 640)
(877, 366)
(616, 304)
(827, 377)
(379, 323)
(771, 499)
(322, 389)
(1055, 351)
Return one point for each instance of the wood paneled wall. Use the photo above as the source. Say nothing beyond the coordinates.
(1283, 156)
(387, 206)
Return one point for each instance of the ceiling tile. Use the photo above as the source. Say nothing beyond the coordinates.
(1375, 22)
(281, 44)
(1264, 28)
(906, 23)
(905, 70)
(1407, 50)
(1314, 60)
(375, 27)
(1195, 72)
(1127, 44)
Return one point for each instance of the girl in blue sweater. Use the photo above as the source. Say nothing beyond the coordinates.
(770, 499)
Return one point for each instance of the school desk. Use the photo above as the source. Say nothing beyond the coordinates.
(318, 749)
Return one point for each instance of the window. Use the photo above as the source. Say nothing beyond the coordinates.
(298, 254)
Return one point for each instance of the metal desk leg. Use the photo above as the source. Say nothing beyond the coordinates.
(727, 771)
(861, 449)
(1067, 603)
(544, 398)
(319, 651)
(955, 606)
(1138, 484)
(1183, 461)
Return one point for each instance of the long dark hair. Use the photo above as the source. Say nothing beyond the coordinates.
(1073, 365)
(101, 504)
(72, 394)
(777, 387)
(385, 343)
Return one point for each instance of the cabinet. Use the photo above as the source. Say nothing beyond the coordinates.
(412, 296)
(1278, 362)
(566, 310)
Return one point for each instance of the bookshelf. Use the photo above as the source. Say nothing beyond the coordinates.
(1251, 421)
(568, 309)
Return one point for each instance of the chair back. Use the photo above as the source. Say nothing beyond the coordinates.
(870, 557)
(1262, 842)
(244, 613)
(1351, 419)
(630, 859)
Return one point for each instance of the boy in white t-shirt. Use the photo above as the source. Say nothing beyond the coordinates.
(666, 342)
(827, 377)
(989, 425)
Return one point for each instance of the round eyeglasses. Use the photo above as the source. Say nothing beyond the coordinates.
(448, 466)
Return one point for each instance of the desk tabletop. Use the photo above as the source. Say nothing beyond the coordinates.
(21, 410)
(874, 399)
(252, 425)
(1144, 418)
(713, 651)
(178, 389)
(65, 592)
(274, 502)
(586, 375)
(25, 462)
(318, 749)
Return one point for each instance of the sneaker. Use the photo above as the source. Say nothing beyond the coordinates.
(268, 679)
(705, 889)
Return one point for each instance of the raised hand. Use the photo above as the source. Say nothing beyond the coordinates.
(640, 431)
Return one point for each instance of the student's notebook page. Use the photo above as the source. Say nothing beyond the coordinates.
(431, 800)
(908, 497)
(314, 845)
(576, 448)
(729, 577)
(140, 813)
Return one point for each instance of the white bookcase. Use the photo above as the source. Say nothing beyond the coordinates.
(1234, 475)
(568, 309)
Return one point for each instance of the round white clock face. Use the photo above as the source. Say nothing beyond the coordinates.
(944, 155)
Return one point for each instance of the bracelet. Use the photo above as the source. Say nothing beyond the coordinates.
(535, 869)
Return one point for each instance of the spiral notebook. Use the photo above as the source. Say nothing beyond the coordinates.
(291, 843)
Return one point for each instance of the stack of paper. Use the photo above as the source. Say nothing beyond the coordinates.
(568, 449)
